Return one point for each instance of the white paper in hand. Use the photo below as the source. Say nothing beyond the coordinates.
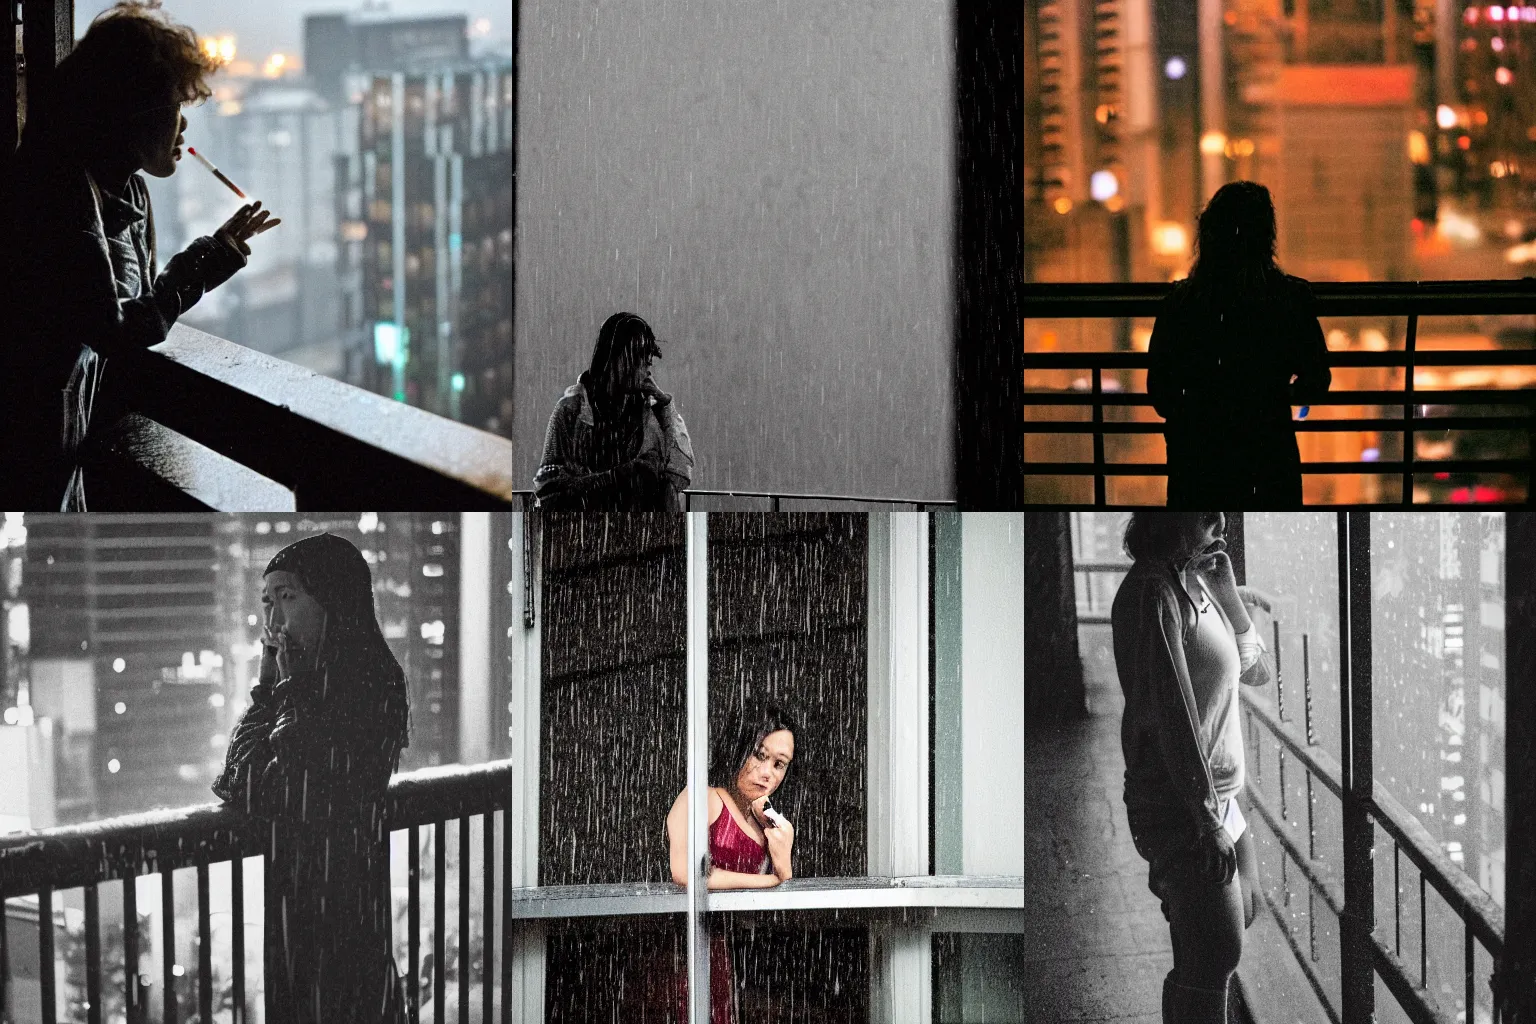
(1233, 820)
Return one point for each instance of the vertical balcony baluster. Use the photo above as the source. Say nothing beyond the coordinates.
(1411, 346)
(237, 932)
(488, 911)
(413, 922)
(131, 950)
(506, 917)
(204, 947)
(92, 955)
(168, 946)
(45, 954)
(1098, 437)
(463, 951)
(439, 917)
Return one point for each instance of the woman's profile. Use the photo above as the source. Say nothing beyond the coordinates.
(314, 753)
(81, 267)
(1183, 641)
(616, 441)
(750, 843)
(1236, 344)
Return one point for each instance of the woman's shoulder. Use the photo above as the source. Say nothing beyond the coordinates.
(1142, 587)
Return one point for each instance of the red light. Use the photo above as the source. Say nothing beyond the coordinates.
(1465, 142)
(1461, 495)
(1418, 225)
(1442, 476)
(1483, 493)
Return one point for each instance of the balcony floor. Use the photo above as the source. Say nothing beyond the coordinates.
(1096, 945)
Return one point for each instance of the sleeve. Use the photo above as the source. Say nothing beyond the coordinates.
(326, 756)
(1163, 385)
(84, 304)
(1310, 360)
(678, 446)
(561, 484)
(249, 747)
(1176, 717)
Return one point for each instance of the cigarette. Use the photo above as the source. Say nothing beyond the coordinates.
(216, 172)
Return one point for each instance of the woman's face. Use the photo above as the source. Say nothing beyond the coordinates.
(766, 765)
(286, 604)
(160, 138)
(1197, 532)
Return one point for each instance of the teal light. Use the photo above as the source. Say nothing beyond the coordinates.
(458, 382)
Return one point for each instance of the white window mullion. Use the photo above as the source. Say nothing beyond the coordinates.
(902, 967)
(698, 766)
(528, 936)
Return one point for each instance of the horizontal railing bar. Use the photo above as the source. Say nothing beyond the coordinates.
(527, 495)
(68, 856)
(1102, 566)
(1385, 424)
(1421, 466)
(874, 893)
(319, 437)
(1301, 961)
(1421, 397)
(1389, 358)
(1317, 874)
(1333, 298)
(1464, 896)
(1414, 1000)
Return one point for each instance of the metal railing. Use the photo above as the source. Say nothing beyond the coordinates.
(770, 501)
(1410, 299)
(159, 842)
(202, 423)
(1482, 918)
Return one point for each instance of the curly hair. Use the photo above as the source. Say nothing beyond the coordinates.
(132, 59)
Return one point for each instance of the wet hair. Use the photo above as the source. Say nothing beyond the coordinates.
(623, 340)
(730, 748)
(132, 59)
(1235, 245)
(1154, 534)
(335, 574)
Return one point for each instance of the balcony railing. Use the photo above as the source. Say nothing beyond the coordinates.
(1410, 299)
(768, 501)
(159, 842)
(203, 423)
(1365, 808)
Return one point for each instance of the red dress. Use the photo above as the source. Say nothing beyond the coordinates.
(731, 849)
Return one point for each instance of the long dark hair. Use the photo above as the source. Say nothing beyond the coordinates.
(354, 654)
(623, 339)
(729, 748)
(1235, 246)
(132, 58)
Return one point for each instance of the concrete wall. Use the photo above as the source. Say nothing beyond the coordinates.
(769, 185)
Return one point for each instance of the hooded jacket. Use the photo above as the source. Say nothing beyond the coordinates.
(590, 464)
(83, 284)
(314, 753)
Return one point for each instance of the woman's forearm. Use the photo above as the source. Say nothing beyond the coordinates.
(719, 878)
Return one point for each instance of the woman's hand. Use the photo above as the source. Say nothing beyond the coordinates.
(248, 221)
(1216, 567)
(288, 653)
(781, 839)
(651, 389)
(1217, 856)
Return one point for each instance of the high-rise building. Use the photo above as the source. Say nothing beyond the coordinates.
(338, 44)
(425, 205)
(124, 614)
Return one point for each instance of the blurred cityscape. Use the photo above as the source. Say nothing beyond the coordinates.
(1397, 140)
(131, 642)
(386, 150)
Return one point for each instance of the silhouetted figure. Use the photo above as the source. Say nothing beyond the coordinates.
(80, 271)
(314, 753)
(616, 441)
(1235, 346)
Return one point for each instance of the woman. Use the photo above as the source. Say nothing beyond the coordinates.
(616, 441)
(1183, 640)
(750, 843)
(80, 263)
(1235, 345)
(314, 753)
